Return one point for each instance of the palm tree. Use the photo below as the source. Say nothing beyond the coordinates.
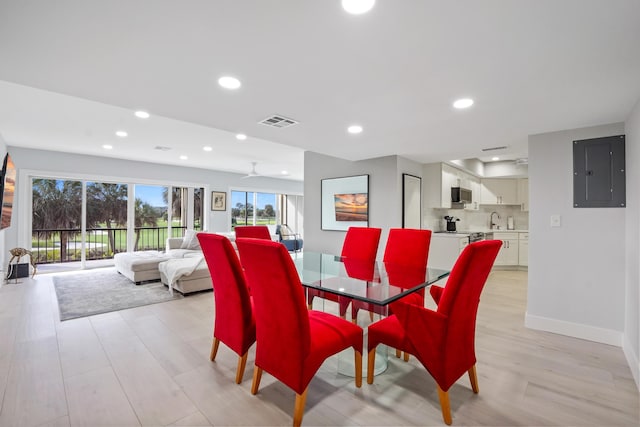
(178, 209)
(145, 215)
(57, 206)
(107, 203)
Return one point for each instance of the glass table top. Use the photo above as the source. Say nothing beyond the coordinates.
(376, 283)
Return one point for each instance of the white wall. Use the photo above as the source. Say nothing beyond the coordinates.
(65, 164)
(576, 271)
(631, 344)
(385, 195)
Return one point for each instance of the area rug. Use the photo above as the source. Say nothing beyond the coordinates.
(94, 292)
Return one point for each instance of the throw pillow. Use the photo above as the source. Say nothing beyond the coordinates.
(284, 232)
(190, 240)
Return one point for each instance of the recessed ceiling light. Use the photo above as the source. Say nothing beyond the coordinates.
(354, 129)
(229, 82)
(121, 134)
(241, 136)
(495, 158)
(358, 7)
(183, 157)
(107, 146)
(207, 148)
(284, 172)
(463, 103)
(142, 114)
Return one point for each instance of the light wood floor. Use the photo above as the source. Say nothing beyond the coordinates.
(150, 366)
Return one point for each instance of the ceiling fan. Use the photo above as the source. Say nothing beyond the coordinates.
(252, 173)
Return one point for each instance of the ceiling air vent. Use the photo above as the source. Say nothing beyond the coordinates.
(494, 148)
(278, 121)
(161, 148)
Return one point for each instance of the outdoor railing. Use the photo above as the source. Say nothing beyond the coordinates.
(101, 243)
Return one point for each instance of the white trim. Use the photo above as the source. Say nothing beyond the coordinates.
(106, 178)
(576, 330)
(632, 360)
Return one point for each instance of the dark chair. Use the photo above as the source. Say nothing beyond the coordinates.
(288, 238)
(234, 322)
(405, 247)
(360, 243)
(253, 231)
(442, 340)
(292, 342)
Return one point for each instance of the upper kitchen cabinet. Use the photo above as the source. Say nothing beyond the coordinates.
(499, 191)
(523, 193)
(438, 178)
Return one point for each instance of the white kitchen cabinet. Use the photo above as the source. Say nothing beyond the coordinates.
(523, 193)
(449, 179)
(445, 249)
(508, 254)
(523, 249)
(438, 178)
(474, 186)
(499, 191)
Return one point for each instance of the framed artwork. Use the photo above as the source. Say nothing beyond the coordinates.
(411, 201)
(344, 202)
(218, 201)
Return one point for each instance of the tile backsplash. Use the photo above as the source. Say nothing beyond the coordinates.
(433, 219)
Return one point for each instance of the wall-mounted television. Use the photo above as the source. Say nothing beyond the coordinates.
(7, 189)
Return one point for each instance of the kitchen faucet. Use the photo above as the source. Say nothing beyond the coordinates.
(494, 226)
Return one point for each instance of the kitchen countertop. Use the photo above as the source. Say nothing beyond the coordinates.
(466, 233)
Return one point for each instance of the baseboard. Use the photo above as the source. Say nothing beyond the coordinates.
(632, 360)
(576, 330)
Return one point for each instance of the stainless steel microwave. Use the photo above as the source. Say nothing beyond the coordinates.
(460, 195)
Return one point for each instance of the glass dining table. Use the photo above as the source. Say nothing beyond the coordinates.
(376, 284)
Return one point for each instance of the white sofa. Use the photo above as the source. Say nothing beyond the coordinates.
(144, 266)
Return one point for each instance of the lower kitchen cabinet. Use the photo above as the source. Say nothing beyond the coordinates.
(508, 254)
(523, 249)
(445, 249)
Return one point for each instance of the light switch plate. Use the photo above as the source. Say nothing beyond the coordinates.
(555, 221)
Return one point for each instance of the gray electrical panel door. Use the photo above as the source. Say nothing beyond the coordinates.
(599, 173)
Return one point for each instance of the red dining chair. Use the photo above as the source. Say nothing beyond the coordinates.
(292, 342)
(405, 247)
(442, 340)
(234, 321)
(253, 231)
(360, 243)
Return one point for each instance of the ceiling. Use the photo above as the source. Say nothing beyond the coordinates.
(73, 72)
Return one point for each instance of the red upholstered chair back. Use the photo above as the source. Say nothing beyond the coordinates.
(234, 322)
(282, 320)
(253, 231)
(361, 243)
(407, 246)
(453, 353)
(360, 268)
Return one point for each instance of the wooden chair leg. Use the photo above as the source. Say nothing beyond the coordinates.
(358, 361)
(444, 405)
(257, 376)
(310, 306)
(398, 353)
(474, 379)
(242, 362)
(298, 410)
(371, 316)
(371, 365)
(214, 349)
(406, 356)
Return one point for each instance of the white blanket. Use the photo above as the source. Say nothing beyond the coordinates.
(174, 269)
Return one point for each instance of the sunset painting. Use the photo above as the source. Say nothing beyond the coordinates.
(9, 189)
(351, 207)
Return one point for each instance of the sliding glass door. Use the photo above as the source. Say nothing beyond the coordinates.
(79, 221)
